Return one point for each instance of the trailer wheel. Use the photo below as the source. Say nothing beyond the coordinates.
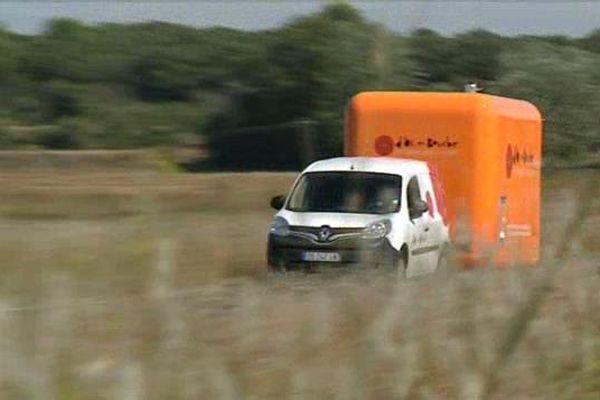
(442, 267)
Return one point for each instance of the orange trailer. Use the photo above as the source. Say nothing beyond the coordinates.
(486, 151)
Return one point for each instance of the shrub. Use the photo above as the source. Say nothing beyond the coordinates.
(58, 138)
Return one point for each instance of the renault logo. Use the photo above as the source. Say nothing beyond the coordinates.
(324, 233)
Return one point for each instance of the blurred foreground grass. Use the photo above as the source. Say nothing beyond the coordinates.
(146, 285)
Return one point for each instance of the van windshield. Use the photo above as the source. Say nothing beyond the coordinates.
(347, 192)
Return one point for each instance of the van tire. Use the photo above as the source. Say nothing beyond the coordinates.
(277, 268)
(402, 261)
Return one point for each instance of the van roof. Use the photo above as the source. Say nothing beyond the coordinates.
(385, 165)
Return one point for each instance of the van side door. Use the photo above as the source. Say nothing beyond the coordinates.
(431, 246)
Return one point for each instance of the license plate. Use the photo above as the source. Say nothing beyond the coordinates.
(317, 256)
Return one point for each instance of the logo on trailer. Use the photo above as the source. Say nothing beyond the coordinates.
(516, 157)
(509, 163)
(384, 145)
(325, 233)
(429, 143)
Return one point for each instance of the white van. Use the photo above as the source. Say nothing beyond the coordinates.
(360, 210)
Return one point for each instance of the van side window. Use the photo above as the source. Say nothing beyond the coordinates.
(413, 192)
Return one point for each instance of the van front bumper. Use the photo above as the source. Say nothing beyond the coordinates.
(289, 252)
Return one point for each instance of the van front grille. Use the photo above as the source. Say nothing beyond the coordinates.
(315, 230)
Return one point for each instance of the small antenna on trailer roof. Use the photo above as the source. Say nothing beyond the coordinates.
(473, 87)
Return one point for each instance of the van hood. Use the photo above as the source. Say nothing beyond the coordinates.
(335, 220)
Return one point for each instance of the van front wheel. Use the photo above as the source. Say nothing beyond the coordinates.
(402, 262)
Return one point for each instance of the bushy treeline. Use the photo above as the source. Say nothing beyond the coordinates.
(123, 86)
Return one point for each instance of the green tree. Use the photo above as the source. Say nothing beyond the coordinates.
(477, 56)
(60, 53)
(434, 57)
(309, 71)
(8, 58)
(129, 85)
(591, 42)
(61, 99)
(157, 78)
(558, 80)
(341, 11)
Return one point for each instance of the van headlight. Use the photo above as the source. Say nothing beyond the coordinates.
(280, 227)
(377, 229)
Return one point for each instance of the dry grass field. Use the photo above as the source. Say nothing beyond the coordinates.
(120, 284)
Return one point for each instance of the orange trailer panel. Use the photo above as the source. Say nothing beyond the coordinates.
(486, 151)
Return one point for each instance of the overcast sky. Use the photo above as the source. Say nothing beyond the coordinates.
(575, 18)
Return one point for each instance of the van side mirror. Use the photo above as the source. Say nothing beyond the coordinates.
(277, 202)
(418, 208)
